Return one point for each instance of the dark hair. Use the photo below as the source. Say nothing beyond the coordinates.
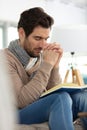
(31, 18)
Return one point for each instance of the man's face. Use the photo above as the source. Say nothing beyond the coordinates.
(35, 42)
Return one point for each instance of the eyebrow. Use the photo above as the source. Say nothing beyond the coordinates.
(41, 37)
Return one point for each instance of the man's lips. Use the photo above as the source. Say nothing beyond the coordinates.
(38, 50)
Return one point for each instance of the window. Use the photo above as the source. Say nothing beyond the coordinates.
(8, 32)
(12, 34)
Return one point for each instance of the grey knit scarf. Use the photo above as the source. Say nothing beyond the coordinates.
(19, 52)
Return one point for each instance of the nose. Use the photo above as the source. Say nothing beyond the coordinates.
(42, 43)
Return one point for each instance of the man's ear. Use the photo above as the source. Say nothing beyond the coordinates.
(21, 33)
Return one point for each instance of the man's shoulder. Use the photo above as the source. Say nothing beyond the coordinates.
(10, 57)
(7, 53)
(4, 51)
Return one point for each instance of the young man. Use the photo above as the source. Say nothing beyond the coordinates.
(33, 65)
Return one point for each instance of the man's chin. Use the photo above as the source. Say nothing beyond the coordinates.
(35, 55)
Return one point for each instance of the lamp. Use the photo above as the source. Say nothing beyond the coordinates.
(73, 39)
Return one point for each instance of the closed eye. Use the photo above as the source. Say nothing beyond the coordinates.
(38, 38)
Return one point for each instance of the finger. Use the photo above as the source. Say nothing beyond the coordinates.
(53, 46)
(45, 46)
(58, 50)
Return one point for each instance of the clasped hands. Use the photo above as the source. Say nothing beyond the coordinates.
(52, 53)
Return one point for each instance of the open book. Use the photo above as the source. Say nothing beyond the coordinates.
(70, 88)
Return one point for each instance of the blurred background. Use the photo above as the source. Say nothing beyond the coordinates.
(70, 30)
(70, 27)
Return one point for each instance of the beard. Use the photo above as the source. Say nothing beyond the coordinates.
(35, 53)
(32, 52)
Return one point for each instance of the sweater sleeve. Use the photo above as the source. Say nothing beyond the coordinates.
(31, 91)
(28, 91)
(54, 79)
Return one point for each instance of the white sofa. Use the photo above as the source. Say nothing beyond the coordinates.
(44, 126)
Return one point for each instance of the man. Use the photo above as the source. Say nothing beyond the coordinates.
(33, 65)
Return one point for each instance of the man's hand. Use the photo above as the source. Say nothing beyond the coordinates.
(51, 48)
(50, 56)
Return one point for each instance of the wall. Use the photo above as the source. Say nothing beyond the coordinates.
(11, 9)
(62, 13)
(72, 38)
(66, 13)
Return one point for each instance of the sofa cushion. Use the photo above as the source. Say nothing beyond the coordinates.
(42, 126)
